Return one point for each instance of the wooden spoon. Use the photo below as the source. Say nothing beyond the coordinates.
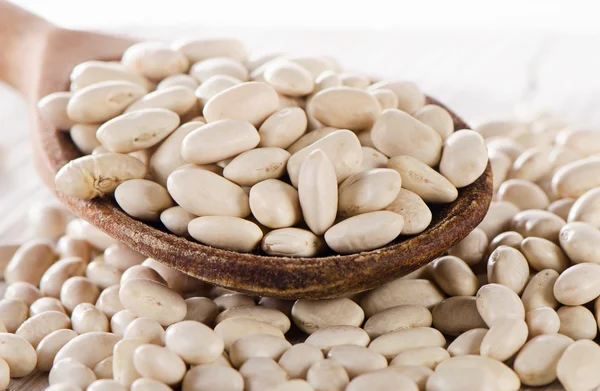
(38, 61)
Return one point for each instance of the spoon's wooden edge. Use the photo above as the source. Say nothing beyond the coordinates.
(281, 277)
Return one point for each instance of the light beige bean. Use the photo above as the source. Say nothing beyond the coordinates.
(254, 166)
(88, 318)
(396, 342)
(141, 271)
(226, 232)
(176, 280)
(462, 379)
(582, 140)
(507, 266)
(44, 304)
(577, 367)
(577, 285)
(77, 290)
(368, 191)
(102, 101)
(421, 179)
(214, 85)
(122, 257)
(299, 358)
(311, 138)
(538, 223)
(104, 369)
(176, 220)
(159, 363)
(574, 179)
(454, 276)
(437, 118)
(47, 220)
(372, 158)
(203, 70)
(496, 302)
(257, 345)
(501, 164)
(194, 342)
(417, 292)
(532, 165)
(293, 385)
(327, 375)
(120, 321)
(56, 275)
(417, 215)
(329, 337)
(197, 49)
(13, 313)
(428, 357)
(89, 349)
(29, 262)
(498, 218)
(397, 318)
(461, 168)
(581, 242)
(410, 97)
(577, 322)
(417, 139)
(539, 291)
(542, 320)
(289, 78)
(24, 291)
(81, 229)
(63, 387)
(457, 314)
(103, 274)
(124, 370)
(504, 377)
(106, 385)
(504, 338)
(108, 302)
(386, 99)
(253, 102)
(50, 345)
(6, 253)
(509, 238)
(147, 298)
(536, 363)
(262, 373)
(18, 354)
(233, 329)
(267, 315)
(292, 242)
(201, 309)
(357, 360)
(146, 330)
(501, 128)
(34, 329)
(472, 248)
(356, 80)
(341, 147)
(177, 99)
(332, 105)
(203, 193)
(84, 137)
(71, 372)
(92, 72)
(543, 254)
(310, 315)
(53, 109)
(154, 60)
(283, 128)
(586, 209)
(468, 343)
(523, 194)
(95, 175)
(213, 378)
(275, 204)
(382, 380)
(328, 79)
(181, 79)
(364, 232)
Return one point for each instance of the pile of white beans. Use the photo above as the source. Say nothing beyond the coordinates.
(214, 145)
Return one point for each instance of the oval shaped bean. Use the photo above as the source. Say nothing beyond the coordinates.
(357, 360)
(462, 379)
(13, 313)
(120, 321)
(542, 320)
(368, 191)
(50, 345)
(87, 318)
(581, 242)
(454, 276)
(275, 204)
(283, 128)
(585, 208)
(207, 68)
(197, 49)
(93, 176)
(507, 266)
(181, 79)
(104, 369)
(257, 345)
(122, 257)
(577, 322)
(397, 318)
(159, 363)
(29, 262)
(382, 380)
(201, 309)
(176, 280)
(232, 329)
(396, 342)
(539, 291)
(574, 179)
(154, 60)
(310, 138)
(456, 315)
(267, 315)
(496, 302)
(536, 363)
(226, 232)
(108, 302)
(386, 98)
(262, 373)
(56, 275)
(289, 78)
(299, 358)
(311, 316)
(24, 291)
(532, 165)
(428, 357)
(154, 300)
(504, 377)
(252, 101)
(345, 108)
(498, 218)
(397, 133)
(543, 254)
(177, 99)
(103, 274)
(410, 97)
(71, 372)
(53, 109)
(327, 375)
(46, 304)
(576, 367)
(146, 330)
(124, 370)
(472, 248)
(461, 168)
(577, 285)
(212, 378)
(144, 272)
(523, 194)
(292, 242)
(194, 342)
(77, 290)
(364, 232)
(89, 349)
(176, 220)
(329, 337)
(416, 214)
(68, 247)
(106, 385)
(84, 137)
(504, 338)
(204, 193)
(437, 118)
(372, 158)
(468, 343)
(256, 165)
(92, 72)
(538, 223)
(417, 292)
(39, 326)
(341, 147)
(18, 354)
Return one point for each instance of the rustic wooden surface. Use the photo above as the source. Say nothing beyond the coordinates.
(479, 74)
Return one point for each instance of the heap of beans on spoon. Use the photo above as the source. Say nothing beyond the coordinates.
(289, 155)
(514, 303)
